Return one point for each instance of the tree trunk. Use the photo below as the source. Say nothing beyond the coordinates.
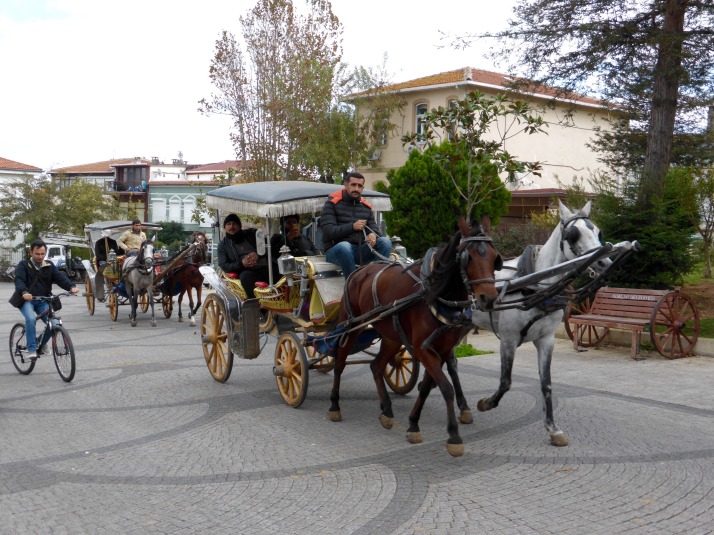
(664, 102)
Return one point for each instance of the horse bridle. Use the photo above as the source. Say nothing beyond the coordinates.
(572, 234)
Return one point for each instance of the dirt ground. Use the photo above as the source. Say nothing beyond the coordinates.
(703, 296)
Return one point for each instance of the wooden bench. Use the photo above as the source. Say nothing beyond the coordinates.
(670, 317)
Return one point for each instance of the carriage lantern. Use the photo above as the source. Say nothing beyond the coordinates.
(112, 258)
(398, 248)
(286, 262)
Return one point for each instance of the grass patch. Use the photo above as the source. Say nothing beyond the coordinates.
(467, 350)
(706, 327)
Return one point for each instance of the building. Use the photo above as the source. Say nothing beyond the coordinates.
(9, 171)
(563, 152)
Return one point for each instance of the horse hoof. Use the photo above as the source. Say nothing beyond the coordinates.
(466, 417)
(386, 421)
(559, 439)
(335, 416)
(455, 450)
(414, 437)
(180, 319)
(133, 324)
(153, 324)
(483, 405)
(193, 322)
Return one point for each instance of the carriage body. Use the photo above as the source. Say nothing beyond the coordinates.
(102, 279)
(295, 307)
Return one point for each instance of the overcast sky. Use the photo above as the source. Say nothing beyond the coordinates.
(90, 80)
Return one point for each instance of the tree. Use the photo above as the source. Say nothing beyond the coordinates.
(171, 233)
(477, 128)
(281, 88)
(31, 206)
(703, 219)
(650, 60)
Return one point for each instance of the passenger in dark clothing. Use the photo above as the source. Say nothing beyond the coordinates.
(298, 243)
(237, 254)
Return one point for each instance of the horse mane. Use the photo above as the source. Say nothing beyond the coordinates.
(445, 277)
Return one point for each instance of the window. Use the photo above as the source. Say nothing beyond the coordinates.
(420, 126)
(175, 209)
(189, 205)
(158, 210)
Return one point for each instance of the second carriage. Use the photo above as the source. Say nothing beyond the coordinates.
(301, 304)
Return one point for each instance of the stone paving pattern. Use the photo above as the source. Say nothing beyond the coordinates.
(145, 441)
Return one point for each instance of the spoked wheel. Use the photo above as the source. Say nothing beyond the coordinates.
(89, 294)
(266, 321)
(324, 365)
(63, 352)
(214, 337)
(675, 325)
(113, 304)
(144, 301)
(18, 350)
(167, 303)
(291, 369)
(402, 372)
(590, 335)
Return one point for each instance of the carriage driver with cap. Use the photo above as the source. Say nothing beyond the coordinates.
(132, 239)
(237, 254)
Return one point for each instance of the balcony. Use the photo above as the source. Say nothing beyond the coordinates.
(128, 186)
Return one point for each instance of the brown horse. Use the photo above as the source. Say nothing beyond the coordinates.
(186, 277)
(422, 308)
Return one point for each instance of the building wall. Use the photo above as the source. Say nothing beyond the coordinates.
(175, 202)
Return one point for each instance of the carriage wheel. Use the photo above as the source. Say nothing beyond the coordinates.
(324, 365)
(144, 300)
(214, 337)
(89, 294)
(590, 335)
(167, 303)
(674, 327)
(113, 304)
(402, 372)
(266, 321)
(291, 369)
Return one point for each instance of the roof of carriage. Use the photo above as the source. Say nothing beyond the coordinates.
(281, 198)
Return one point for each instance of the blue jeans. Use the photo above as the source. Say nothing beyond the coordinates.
(32, 309)
(347, 255)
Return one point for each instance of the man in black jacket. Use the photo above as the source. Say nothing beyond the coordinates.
(237, 254)
(35, 277)
(299, 244)
(349, 231)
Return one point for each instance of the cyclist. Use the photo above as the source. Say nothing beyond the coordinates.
(35, 276)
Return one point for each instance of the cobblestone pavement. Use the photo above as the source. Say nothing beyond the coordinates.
(144, 441)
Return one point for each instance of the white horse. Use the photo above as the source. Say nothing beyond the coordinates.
(573, 237)
(138, 275)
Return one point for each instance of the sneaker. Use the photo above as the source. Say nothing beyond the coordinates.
(31, 355)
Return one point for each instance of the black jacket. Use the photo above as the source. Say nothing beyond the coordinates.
(25, 273)
(300, 246)
(232, 250)
(338, 215)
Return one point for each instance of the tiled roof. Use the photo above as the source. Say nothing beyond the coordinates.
(218, 167)
(16, 166)
(98, 167)
(479, 77)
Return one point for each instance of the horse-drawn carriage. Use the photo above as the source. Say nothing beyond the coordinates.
(299, 306)
(103, 271)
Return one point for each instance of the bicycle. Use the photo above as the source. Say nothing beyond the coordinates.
(62, 348)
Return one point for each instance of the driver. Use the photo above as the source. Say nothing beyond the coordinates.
(237, 254)
(132, 239)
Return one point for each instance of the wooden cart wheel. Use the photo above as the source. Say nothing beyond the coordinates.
(590, 335)
(144, 301)
(266, 321)
(214, 338)
(674, 327)
(402, 372)
(89, 294)
(167, 303)
(324, 365)
(113, 304)
(291, 369)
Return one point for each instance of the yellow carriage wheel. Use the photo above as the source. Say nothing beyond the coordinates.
(144, 301)
(291, 369)
(167, 304)
(402, 372)
(214, 338)
(89, 294)
(113, 304)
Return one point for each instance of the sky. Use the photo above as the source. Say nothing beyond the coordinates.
(90, 80)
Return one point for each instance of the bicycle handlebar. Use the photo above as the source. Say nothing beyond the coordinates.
(45, 298)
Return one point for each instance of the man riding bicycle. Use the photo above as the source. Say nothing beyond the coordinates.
(35, 276)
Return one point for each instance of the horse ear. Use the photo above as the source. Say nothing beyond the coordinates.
(565, 212)
(486, 223)
(463, 226)
(586, 208)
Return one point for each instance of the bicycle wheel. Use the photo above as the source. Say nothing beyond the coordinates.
(18, 350)
(63, 351)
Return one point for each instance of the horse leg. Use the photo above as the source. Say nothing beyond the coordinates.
(150, 291)
(508, 352)
(387, 350)
(190, 306)
(131, 292)
(432, 365)
(465, 416)
(199, 287)
(335, 413)
(180, 298)
(545, 347)
(413, 432)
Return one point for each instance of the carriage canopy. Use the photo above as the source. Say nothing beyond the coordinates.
(112, 229)
(282, 198)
